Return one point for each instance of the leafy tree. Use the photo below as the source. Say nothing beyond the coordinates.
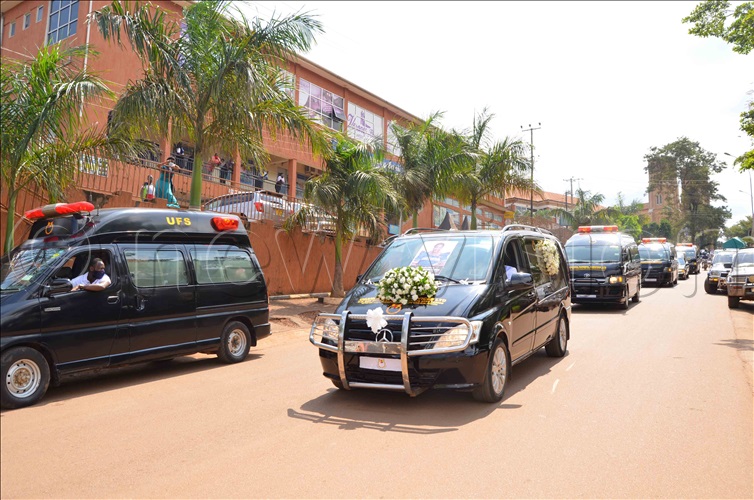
(495, 168)
(212, 77)
(632, 208)
(354, 190)
(709, 19)
(692, 166)
(46, 135)
(654, 230)
(629, 224)
(588, 210)
(741, 228)
(429, 158)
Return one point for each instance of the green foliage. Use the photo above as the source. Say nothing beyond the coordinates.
(587, 211)
(46, 136)
(741, 228)
(215, 80)
(654, 230)
(709, 18)
(629, 224)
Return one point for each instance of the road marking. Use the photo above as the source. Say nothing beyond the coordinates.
(571, 366)
(554, 386)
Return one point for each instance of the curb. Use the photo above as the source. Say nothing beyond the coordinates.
(301, 296)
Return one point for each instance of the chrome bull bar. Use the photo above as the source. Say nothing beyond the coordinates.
(409, 345)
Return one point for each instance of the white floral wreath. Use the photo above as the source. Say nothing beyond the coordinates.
(548, 256)
(406, 284)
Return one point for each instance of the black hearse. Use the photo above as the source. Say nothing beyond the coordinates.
(501, 295)
(659, 262)
(605, 266)
(181, 283)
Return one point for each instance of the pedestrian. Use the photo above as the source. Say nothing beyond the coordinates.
(225, 170)
(148, 189)
(279, 182)
(164, 187)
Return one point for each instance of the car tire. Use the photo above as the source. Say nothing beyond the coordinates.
(675, 281)
(25, 377)
(636, 298)
(337, 383)
(733, 302)
(497, 374)
(624, 305)
(557, 346)
(709, 288)
(235, 343)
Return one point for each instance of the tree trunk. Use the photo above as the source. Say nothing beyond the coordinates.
(10, 221)
(415, 219)
(195, 201)
(473, 214)
(337, 282)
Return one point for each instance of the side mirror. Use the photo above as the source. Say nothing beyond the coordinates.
(58, 285)
(519, 281)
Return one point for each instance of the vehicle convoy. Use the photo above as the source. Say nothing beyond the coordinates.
(718, 271)
(691, 252)
(449, 309)
(605, 266)
(659, 263)
(180, 283)
(741, 278)
(683, 268)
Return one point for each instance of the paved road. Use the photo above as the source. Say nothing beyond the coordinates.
(651, 402)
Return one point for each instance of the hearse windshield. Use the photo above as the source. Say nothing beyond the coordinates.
(657, 252)
(593, 248)
(455, 258)
(27, 264)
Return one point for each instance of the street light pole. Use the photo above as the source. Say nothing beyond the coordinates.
(751, 199)
(531, 198)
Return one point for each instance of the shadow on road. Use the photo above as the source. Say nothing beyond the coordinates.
(110, 379)
(432, 412)
(738, 344)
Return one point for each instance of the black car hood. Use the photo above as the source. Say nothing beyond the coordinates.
(451, 300)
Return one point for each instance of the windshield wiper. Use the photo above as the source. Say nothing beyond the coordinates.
(441, 277)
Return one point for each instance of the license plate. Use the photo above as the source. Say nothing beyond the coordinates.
(278, 212)
(735, 292)
(582, 296)
(386, 364)
(650, 279)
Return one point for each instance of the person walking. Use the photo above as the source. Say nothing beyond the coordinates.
(164, 187)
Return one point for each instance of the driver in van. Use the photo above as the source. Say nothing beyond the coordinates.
(95, 280)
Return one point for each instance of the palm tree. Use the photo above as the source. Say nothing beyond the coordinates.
(429, 158)
(353, 191)
(212, 77)
(496, 168)
(45, 138)
(588, 210)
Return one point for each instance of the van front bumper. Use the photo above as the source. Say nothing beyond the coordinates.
(431, 352)
(597, 292)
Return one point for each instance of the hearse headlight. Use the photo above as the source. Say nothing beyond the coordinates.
(615, 279)
(668, 269)
(330, 329)
(456, 336)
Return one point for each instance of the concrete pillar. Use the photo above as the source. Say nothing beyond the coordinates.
(292, 177)
(236, 176)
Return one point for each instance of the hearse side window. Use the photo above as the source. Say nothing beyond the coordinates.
(537, 274)
(223, 265)
(151, 268)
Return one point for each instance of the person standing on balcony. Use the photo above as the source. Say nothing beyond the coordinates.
(164, 187)
(279, 183)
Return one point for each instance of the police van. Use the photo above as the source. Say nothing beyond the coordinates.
(691, 253)
(605, 266)
(659, 262)
(180, 283)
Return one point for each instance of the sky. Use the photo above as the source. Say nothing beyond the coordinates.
(606, 80)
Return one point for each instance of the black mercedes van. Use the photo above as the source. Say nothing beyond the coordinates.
(495, 298)
(605, 266)
(181, 283)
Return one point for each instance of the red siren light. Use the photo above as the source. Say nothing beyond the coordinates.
(224, 223)
(58, 209)
(598, 229)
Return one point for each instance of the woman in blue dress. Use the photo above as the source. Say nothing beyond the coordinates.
(164, 186)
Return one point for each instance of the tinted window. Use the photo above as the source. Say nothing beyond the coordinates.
(223, 265)
(151, 268)
(535, 267)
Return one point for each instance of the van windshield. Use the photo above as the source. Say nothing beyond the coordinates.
(597, 252)
(27, 264)
(455, 257)
(652, 253)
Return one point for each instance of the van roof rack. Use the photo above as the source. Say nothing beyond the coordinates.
(414, 230)
(511, 227)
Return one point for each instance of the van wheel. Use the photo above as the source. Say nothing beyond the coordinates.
(556, 347)
(710, 288)
(337, 383)
(26, 377)
(234, 343)
(635, 298)
(624, 304)
(496, 376)
(733, 302)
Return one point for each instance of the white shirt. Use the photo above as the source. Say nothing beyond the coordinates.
(104, 281)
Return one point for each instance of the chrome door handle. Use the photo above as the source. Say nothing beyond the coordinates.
(113, 299)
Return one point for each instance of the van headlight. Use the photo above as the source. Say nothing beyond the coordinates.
(456, 336)
(668, 269)
(615, 279)
(330, 329)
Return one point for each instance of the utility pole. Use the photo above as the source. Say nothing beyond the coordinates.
(571, 181)
(531, 199)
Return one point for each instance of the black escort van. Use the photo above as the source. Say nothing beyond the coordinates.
(605, 266)
(495, 298)
(181, 283)
(659, 262)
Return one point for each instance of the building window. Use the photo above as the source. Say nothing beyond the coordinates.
(40, 12)
(324, 107)
(392, 141)
(12, 30)
(27, 20)
(64, 17)
(364, 126)
(287, 83)
(659, 199)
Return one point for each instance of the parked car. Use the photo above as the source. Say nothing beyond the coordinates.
(254, 205)
(741, 278)
(718, 271)
(497, 302)
(180, 283)
(683, 267)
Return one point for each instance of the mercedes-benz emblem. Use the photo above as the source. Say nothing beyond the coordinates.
(587, 275)
(384, 335)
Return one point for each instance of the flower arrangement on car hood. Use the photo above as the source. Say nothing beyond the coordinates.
(406, 284)
(547, 256)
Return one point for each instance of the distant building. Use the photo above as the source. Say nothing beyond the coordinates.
(663, 197)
